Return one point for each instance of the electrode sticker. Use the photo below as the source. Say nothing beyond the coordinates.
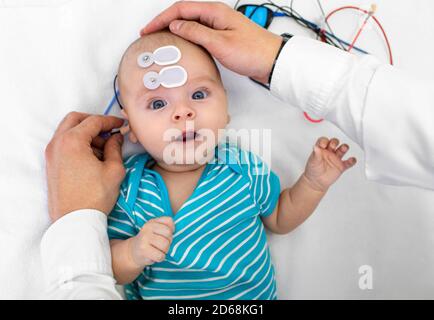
(145, 59)
(161, 56)
(167, 55)
(151, 80)
(173, 76)
(168, 77)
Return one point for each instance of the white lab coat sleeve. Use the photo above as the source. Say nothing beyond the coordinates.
(76, 257)
(389, 113)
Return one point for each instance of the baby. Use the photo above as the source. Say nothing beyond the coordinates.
(193, 227)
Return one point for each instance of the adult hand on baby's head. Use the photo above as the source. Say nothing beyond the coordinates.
(152, 243)
(78, 176)
(234, 40)
(325, 165)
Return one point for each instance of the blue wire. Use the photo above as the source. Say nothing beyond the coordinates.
(346, 43)
(107, 110)
(111, 104)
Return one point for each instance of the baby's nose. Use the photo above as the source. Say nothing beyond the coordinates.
(183, 113)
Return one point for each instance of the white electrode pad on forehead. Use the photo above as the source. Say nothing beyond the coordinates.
(168, 77)
(162, 56)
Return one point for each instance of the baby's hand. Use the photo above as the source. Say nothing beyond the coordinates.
(325, 164)
(153, 241)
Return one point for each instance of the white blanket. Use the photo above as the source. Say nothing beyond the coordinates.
(57, 56)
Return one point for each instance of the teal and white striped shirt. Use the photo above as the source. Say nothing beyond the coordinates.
(219, 248)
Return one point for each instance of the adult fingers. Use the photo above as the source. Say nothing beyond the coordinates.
(113, 157)
(71, 120)
(113, 148)
(93, 125)
(98, 142)
(212, 14)
(194, 32)
(98, 153)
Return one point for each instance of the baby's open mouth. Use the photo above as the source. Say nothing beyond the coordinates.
(187, 136)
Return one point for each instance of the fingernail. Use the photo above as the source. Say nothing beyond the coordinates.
(175, 25)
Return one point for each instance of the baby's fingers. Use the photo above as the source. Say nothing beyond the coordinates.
(167, 221)
(160, 242)
(163, 230)
(155, 254)
(322, 142)
(349, 163)
(340, 152)
(333, 144)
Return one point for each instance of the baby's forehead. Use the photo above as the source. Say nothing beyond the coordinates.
(197, 64)
(190, 56)
(196, 61)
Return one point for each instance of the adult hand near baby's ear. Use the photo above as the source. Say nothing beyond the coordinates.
(234, 40)
(84, 171)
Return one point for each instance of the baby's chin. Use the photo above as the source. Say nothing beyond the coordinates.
(189, 148)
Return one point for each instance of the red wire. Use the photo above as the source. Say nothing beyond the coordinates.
(356, 38)
(311, 119)
(376, 21)
(358, 34)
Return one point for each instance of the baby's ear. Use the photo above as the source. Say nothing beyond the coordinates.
(132, 137)
(127, 130)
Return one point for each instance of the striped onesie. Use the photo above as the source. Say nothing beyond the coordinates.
(219, 248)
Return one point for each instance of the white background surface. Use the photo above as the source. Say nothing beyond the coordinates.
(57, 56)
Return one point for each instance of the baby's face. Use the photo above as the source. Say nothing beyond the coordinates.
(189, 109)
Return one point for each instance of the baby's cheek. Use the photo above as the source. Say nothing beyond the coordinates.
(146, 133)
(221, 121)
(154, 145)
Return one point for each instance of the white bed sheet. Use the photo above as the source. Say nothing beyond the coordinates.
(60, 55)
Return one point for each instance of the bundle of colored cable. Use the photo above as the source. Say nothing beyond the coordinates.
(326, 36)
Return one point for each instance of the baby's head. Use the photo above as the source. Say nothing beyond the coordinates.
(153, 114)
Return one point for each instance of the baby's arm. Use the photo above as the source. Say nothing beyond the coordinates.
(296, 204)
(150, 245)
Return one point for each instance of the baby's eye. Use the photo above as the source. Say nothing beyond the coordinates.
(157, 104)
(199, 95)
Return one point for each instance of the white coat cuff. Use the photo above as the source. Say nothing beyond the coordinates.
(307, 72)
(76, 244)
